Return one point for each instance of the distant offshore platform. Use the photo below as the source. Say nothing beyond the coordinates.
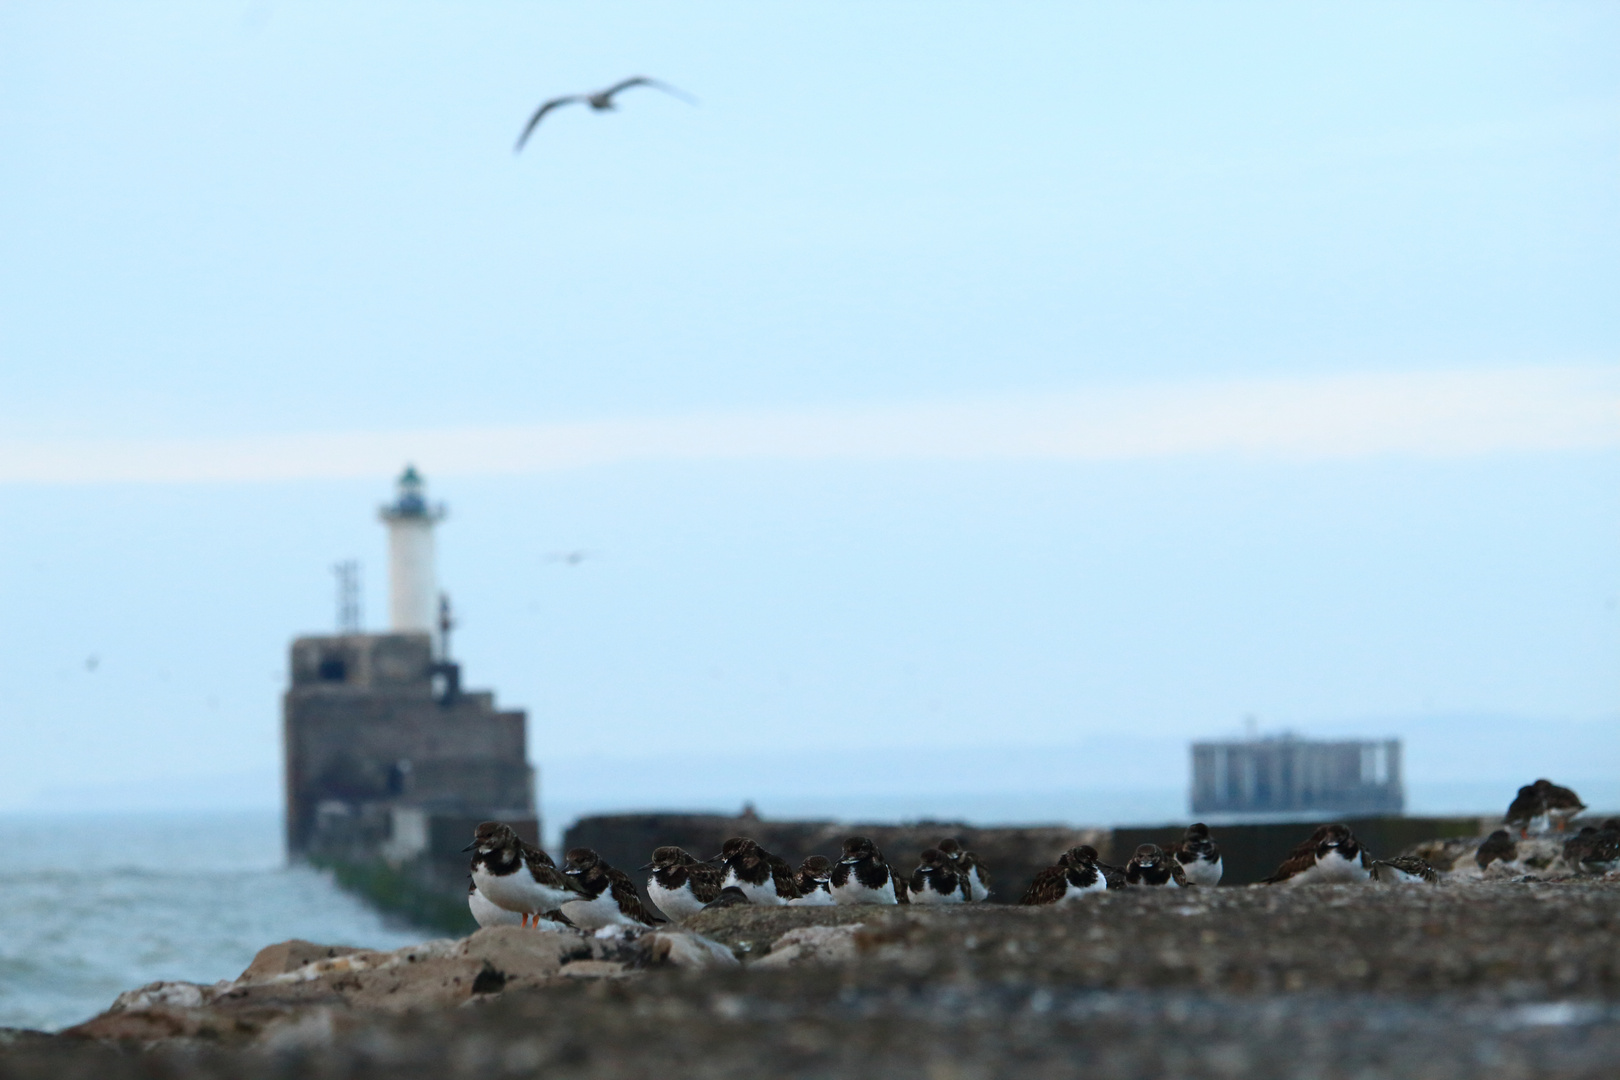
(389, 762)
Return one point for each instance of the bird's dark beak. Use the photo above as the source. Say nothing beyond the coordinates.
(716, 858)
(470, 846)
(649, 866)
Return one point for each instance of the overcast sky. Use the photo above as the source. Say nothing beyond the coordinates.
(1067, 380)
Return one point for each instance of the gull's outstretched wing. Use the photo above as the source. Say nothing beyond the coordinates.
(642, 80)
(540, 114)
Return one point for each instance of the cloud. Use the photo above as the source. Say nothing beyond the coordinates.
(1432, 414)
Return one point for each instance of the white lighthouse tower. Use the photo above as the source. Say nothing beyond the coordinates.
(413, 589)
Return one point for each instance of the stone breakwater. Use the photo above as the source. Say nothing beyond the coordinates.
(1475, 977)
(299, 986)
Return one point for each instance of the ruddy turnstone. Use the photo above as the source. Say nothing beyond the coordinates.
(486, 913)
(1150, 867)
(1077, 874)
(862, 877)
(517, 876)
(681, 885)
(935, 880)
(763, 877)
(1199, 856)
(814, 882)
(730, 896)
(1498, 846)
(1405, 870)
(610, 895)
(1528, 811)
(1561, 803)
(968, 868)
(977, 876)
(1330, 855)
(1595, 850)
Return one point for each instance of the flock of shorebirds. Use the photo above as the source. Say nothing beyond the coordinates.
(513, 882)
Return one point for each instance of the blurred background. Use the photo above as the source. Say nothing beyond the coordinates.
(956, 413)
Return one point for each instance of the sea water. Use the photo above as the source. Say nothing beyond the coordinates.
(91, 906)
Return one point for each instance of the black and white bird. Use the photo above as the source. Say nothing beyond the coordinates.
(1330, 855)
(1199, 856)
(1405, 870)
(935, 881)
(814, 882)
(1595, 849)
(1561, 803)
(680, 884)
(517, 876)
(1498, 847)
(764, 878)
(1527, 812)
(610, 897)
(1150, 867)
(862, 877)
(730, 896)
(1076, 875)
(600, 101)
(968, 867)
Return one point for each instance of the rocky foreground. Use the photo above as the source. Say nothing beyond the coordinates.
(1482, 978)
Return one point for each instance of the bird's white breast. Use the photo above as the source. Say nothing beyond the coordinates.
(1076, 892)
(676, 903)
(976, 887)
(763, 893)
(1333, 868)
(817, 898)
(929, 895)
(853, 892)
(516, 891)
(597, 913)
(490, 914)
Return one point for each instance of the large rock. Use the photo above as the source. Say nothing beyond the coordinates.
(814, 944)
(303, 984)
(285, 956)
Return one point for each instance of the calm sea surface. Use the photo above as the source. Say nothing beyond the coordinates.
(91, 906)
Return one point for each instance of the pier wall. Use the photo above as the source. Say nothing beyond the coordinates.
(423, 877)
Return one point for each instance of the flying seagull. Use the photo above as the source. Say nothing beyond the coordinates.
(601, 101)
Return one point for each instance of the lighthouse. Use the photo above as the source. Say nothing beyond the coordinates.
(413, 589)
(387, 759)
